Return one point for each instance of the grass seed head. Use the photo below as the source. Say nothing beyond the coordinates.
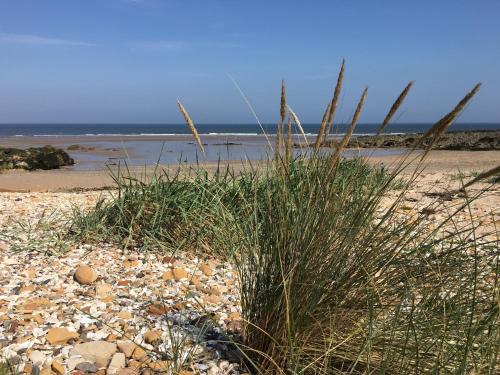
(191, 125)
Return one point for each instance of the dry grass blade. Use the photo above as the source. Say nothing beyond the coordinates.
(345, 140)
(283, 102)
(333, 106)
(327, 121)
(440, 127)
(490, 173)
(394, 108)
(277, 146)
(319, 136)
(251, 108)
(297, 122)
(191, 125)
(288, 149)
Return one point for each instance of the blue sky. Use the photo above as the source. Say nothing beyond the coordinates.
(128, 60)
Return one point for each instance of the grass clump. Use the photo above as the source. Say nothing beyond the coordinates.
(333, 281)
(180, 209)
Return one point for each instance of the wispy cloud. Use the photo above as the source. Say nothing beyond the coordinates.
(37, 40)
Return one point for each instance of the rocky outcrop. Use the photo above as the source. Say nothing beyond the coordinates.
(46, 157)
(463, 141)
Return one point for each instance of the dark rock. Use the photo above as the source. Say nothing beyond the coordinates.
(46, 157)
(87, 367)
(79, 148)
(460, 141)
(35, 370)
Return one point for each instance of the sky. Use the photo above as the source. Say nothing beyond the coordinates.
(127, 61)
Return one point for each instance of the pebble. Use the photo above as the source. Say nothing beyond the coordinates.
(98, 352)
(126, 348)
(205, 268)
(117, 363)
(152, 336)
(87, 367)
(57, 367)
(37, 358)
(59, 336)
(139, 354)
(85, 275)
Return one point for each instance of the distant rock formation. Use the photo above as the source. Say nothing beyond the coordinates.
(463, 141)
(46, 157)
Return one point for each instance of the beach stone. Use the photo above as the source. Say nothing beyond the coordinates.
(128, 371)
(139, 354)
(37, 357)
(111, 337)
(179, 274)
(103, 290)
(125, 315)
(156, 309)
(98, 352)
(167, 275)
(205, 268)
(235, 326)
(87, 367)
(57, 367)
(28, 368)
(212, 299)
(46, 371)
(72, 362)
(27, 289)
(160, 366)
(85, 275)
(152, 336)
(130, 263)
(126, 347)
(117, 363)
(60, 336)
(36, 304)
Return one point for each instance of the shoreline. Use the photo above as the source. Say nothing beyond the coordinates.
(99, 152)
(448, 162)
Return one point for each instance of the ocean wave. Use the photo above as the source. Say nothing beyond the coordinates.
(213, 134)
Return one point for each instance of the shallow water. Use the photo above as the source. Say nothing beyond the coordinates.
(150, 152)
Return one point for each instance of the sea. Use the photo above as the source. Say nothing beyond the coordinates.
(148, 144)
(40, 130)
